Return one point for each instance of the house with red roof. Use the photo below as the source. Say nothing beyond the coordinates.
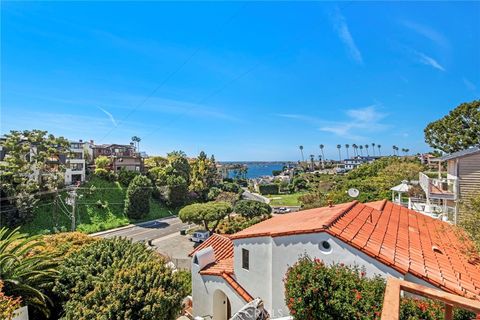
(382, 237)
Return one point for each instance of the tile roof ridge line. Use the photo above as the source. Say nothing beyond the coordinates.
(384, 203)
(330, 223)
(226, 275)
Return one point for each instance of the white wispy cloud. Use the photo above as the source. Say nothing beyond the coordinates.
(358, 121)
(470, 85)
(429, 61)
(341, 27)
(426, 32)
(112, 119)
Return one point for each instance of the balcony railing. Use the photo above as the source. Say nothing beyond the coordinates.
(442, 188)
(391, 301)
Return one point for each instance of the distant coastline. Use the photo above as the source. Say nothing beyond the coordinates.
(258, 169)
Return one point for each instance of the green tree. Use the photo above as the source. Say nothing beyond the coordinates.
(34, 161)
(116, 279)
(24, 274)
(456, 131)
(470, 218)
(205, 214)
(251, 208)
(204, 175)
(137, 201)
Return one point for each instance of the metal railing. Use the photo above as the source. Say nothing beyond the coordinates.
(447, 185)
(391, 301)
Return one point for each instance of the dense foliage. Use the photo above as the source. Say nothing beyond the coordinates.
(207, 214)
(29, 152)
(7, 304)
(251, 208)
(268, 188)
(125, 177)
(238, 223)
(373, 180)
(24, 274)
(316, 291)
(64, 243)
(137, 201)
(116, 279)
(456, 131)
(470, 218)
(204, 175)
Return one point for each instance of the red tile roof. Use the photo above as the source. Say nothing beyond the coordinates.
(306, 221)
(403, 239)
(223, 266)
(411, 242)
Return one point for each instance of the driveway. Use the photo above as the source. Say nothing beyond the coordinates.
(150, 230)
(176, 248)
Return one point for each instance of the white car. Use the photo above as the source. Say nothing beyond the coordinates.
(282, 210)
(200, 236)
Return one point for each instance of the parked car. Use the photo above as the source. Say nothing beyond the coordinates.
(282, 210)
(200, 236)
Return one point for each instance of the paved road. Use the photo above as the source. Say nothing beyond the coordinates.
(254, 196)
(149, 230)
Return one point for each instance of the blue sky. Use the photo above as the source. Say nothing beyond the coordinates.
(245, 81)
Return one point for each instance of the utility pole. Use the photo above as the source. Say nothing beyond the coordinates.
(72, 199)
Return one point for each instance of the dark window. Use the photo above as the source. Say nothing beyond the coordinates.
(245, 259)
(326, 245)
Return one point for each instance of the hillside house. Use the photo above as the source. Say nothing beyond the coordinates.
(460, 181)
(384, 238)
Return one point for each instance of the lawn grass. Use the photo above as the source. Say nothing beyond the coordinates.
(91, 216)
(285, 199)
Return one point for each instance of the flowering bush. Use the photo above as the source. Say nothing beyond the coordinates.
(316, 291)
(7, 304)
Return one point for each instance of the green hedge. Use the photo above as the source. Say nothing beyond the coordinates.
(268, 189)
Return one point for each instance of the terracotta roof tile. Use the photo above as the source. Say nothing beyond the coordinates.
(405, 240)
(307, 221)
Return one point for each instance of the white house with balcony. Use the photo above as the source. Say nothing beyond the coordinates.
(229, 271)
(75, 163)
(444, 190)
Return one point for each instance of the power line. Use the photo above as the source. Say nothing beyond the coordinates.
(171, 74)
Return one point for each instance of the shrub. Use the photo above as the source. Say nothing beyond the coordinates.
(104, 174)
(126, 176)
(7, 304)
(315, 291)
(117, 279)
(252, 208)
(237, 223)
(62, 244)
(230, 187)
(268, 188)
(137, 201)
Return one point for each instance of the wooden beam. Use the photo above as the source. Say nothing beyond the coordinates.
(448, 312)
(391, 300)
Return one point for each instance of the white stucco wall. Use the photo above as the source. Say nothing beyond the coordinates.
(257, 280)
(271, 257)
(203, 289)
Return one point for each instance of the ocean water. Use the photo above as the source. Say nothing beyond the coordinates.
(259, 169)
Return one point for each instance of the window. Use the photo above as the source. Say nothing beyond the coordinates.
(325, 247)
(76, 166)
(245, 259)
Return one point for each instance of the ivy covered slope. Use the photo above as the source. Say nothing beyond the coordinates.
(100, 207)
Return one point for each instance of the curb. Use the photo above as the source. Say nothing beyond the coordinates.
(131, 225)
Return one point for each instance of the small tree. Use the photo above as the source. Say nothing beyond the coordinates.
(137, 201)
(205, 213)
(116, 279)
(251, 208)
(102, 162)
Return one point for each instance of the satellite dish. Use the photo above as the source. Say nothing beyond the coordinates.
(353, 192)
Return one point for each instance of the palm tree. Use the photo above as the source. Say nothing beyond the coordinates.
(355, 151)
(339, 152)
(323, 156)
(312, 161)
(373, 148)
(346, 147)
(406, 151)
(379, 146)
(361, 150)
(395, 148)
(136, 139)
(366, 149)
(24, 272)
(301, 151)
